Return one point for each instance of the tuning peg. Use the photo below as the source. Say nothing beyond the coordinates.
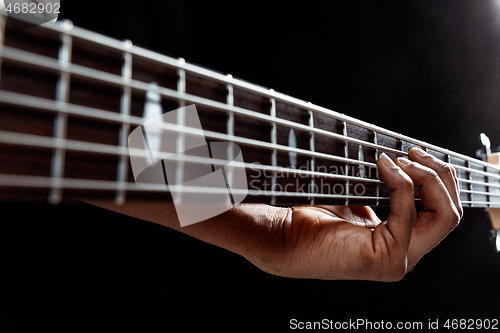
(483, 153)
(486, 143)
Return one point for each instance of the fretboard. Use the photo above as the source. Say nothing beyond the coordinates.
(69, 99)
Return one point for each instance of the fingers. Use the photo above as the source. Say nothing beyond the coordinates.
(402, 214)
(392, 239)
(439, 194)
(446, 173)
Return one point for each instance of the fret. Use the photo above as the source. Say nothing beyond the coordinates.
(377, 174)
(125, 106)
(469, 178)
(181, 121)
(61, 119)
(487, 188)
(311, 147)
(346, 154)
(230, 132)
(274, 141)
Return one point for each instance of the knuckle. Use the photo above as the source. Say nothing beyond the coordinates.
(388, 263)
(457, 215)
(460, 211)
(431, 175)
(452, 170)
(453, 218)
(397, 274)
(406, 183)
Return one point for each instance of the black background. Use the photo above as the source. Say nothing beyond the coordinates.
(427, 69)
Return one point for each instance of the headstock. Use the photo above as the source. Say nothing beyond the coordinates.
(494, 213)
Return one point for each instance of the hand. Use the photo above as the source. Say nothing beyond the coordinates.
(332, 242)
(338, 242)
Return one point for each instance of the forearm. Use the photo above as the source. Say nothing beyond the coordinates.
(251, 230)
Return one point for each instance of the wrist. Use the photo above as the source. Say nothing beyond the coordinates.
(265, 242)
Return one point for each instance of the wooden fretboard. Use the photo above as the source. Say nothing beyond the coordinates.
(69, 98)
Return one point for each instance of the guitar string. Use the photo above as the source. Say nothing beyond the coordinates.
(17, 139)
(86, 112)
(84, 184)
(109, 44)
(344, 138)
(80, 146)
(97, 75)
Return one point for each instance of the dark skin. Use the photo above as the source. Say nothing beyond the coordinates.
(334, 242)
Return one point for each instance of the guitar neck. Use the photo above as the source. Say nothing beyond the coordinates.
(70, 98)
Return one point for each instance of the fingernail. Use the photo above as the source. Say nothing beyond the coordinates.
(403, 161)
(387, 161)
(420, 152)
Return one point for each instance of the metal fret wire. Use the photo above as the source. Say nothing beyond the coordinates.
(61, 119)
(230, 132)
(181, 121)
(470, 184)
(274, 141)
(487, 188)
(311, 148)
(44, 182)
(376, 158)
(97, 75)
(125, 108)
(346, 155)
(110, 43)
